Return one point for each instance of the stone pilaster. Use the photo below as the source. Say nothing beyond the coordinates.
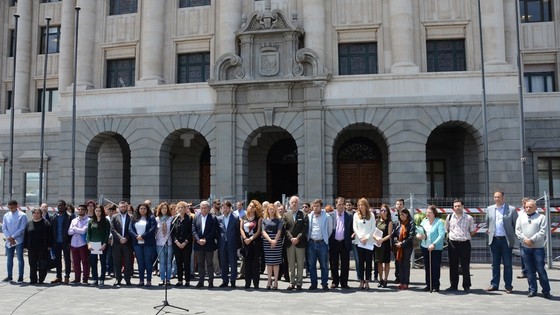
(152, 42)
(23, 62)
(224, 176)
(493, 34)
(86, 44)
(402, 36)
(229, 13)
(314, 24)
(66, 55)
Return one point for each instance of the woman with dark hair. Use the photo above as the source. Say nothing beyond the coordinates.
(90, 207)
(183, 243)
(98, 232)
(383, 250)
(364, 227)
(163, 242)
(143, 230)
(250, 234)
(403, 237)
(432, 232)
(37, 239)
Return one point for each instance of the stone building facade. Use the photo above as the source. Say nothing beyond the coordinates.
(187, 99)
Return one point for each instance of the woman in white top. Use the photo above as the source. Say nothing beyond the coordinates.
(364, 227)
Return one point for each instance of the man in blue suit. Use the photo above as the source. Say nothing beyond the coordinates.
(204, 234)
(229, 241)
(340, 245)
(500, 221)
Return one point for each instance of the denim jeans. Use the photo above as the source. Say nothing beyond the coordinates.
(318, 250)
(501, 252)
(165, 259)
(534, 262)
(10, 253)
(145, 258)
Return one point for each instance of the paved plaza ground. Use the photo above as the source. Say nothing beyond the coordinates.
(79, 299)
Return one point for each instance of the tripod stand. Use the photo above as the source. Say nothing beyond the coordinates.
(165, 248)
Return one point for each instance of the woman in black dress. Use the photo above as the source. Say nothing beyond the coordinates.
(37, 238)
(182, 243)
(250, 233)
(272, 225)
(383, 252)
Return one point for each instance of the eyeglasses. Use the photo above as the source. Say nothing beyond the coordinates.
(382, 210)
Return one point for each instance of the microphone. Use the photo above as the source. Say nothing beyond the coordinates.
(175, 219)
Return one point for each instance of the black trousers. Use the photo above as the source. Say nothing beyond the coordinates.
(459, 253)
(183, 260)
(122, 254)
(37, 262)
(338, 250)
(59, 250)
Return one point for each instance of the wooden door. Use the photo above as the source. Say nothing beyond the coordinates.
(360, 179)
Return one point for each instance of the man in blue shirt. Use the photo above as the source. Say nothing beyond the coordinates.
(13, 228)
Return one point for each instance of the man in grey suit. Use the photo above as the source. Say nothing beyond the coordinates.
(296, 240)
(122, 244)
(229, 241)
(500, 221)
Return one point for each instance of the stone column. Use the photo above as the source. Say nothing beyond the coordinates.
(493, 33)
(23, 62)
(152, 42)
(66, 55)
(86, 44)
(314, 25)
(402, 36)
(229, 14)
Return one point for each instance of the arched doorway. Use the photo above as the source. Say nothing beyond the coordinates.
(359, 169)
(107, 168)
(452, 162)
(272, 165)
(282, 169)
(185, 166)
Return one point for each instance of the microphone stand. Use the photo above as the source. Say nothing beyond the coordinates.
(165, 248)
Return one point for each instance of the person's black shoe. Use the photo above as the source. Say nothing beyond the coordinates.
(117, 283)
(20, 280)
(435, 289)
(127, 282)
(312, 287)
(233, 286)
(467, 290)
(179, 284)
(223, 285)
(547, 296)
(200, 284)
(7, 279)
(344, 286)
(451, 289)
(531, 294)
(522, 276)
(426, 289)
(298, 287)
(210, 285)
(326, 288)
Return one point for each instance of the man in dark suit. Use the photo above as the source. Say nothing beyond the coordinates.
(122, 244)
(229, 241)
(340, 245)
(204, 233)
(60, 222)
(296, 242)
(500, 221)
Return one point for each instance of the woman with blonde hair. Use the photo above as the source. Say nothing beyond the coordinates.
(272, 225)
(364, 227)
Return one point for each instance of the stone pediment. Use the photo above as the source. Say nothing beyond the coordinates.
(270, 49)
